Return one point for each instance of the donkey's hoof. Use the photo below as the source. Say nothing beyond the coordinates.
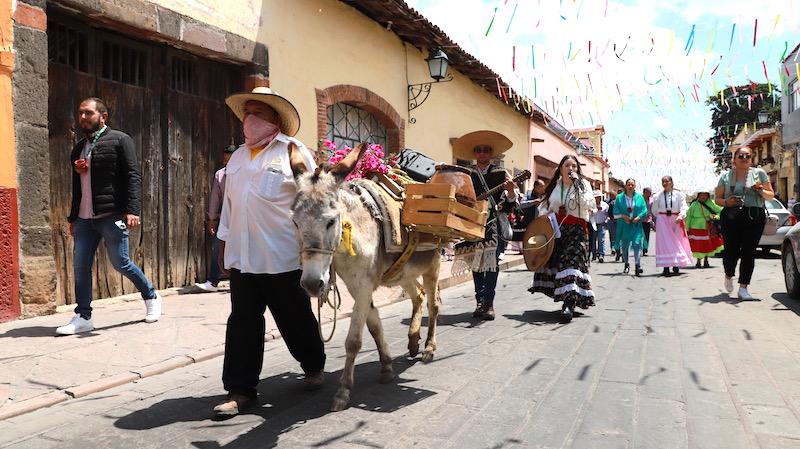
(427, 356)
(386, 377)
(339, 404)
(413, 351)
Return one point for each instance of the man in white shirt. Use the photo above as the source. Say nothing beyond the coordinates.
(259, 246)
(600, 220)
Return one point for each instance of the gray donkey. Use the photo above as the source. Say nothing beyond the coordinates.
(332, 218)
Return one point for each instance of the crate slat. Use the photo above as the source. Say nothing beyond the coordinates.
(432, 208)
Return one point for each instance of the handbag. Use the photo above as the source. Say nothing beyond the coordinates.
(504, 229)
(771, 225)
(418, 166)
(714, 224)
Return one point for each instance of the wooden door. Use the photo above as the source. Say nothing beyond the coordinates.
(178, 134)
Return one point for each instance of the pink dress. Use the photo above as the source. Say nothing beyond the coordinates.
(672, 242)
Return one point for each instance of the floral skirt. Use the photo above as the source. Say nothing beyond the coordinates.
(704, 244)
(566, 274)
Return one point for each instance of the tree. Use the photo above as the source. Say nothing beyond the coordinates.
(731, 111)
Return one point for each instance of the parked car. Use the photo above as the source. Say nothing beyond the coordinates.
(785, 222)
(790, 258)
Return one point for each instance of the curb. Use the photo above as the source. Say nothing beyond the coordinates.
(78, 391)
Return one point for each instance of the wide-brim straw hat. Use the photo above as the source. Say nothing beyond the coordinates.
(290, 119)
(462, 148)
(538, 242)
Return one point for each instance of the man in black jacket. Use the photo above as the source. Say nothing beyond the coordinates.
(106, 204)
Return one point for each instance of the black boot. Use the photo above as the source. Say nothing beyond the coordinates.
(639, 270)
(675, 271)
(488, 311)
(566, 311)
(666, 272)
(627, 268)
(478, 313)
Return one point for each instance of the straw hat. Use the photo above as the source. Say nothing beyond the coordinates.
(290, 119)
(462, 148)
(538, 242)
(598, 193)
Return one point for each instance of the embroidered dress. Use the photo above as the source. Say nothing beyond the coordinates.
(672, 242)
(629, 234)
(701, 239)
(566, 274)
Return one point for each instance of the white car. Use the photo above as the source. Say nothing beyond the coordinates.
(785, 222)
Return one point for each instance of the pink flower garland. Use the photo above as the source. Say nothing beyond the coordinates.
(373, 160)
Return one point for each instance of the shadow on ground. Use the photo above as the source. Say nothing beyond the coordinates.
(283, 405)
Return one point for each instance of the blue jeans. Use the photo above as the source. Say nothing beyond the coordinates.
(600, 241)
(214, 272)
(87, 237)
(486, 282)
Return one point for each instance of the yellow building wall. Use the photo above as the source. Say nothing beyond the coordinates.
(315, 44)
(8, 161)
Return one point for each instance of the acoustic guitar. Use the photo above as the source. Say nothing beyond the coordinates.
(524, 176)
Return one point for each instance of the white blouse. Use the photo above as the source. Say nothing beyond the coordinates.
(584, 208)
(673, 201)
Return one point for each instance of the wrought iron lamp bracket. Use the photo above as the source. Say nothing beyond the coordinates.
(415, 91)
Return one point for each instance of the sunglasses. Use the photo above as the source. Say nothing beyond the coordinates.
(744, 156)
(482, 150)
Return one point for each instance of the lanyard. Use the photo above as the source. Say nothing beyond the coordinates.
(630, 202)
(671, 202)
(564, 194)
(94, 141)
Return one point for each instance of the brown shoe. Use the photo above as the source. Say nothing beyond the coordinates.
(488, 312)
(232, 405)
(314, 381)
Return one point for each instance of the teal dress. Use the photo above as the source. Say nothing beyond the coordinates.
(629, 234)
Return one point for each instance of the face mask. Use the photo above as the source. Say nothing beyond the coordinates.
(257, 129)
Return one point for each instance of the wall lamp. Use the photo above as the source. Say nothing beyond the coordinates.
(437, 67)
(763, 116)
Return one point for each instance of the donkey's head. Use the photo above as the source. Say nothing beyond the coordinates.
(317, 213)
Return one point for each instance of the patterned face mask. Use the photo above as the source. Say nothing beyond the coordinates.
(257, 129)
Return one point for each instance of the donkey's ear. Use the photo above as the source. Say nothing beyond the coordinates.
(296, 160)
(346, 165)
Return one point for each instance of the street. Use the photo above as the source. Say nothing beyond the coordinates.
(659, 363)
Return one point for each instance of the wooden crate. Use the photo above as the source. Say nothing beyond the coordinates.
(433, 209)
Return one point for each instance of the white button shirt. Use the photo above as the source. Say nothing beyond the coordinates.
(255, 223)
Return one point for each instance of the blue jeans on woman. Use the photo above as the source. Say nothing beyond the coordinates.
(88, 233)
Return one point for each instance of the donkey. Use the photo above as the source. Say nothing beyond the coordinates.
(325, 204)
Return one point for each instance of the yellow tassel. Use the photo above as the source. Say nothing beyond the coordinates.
(347, 236)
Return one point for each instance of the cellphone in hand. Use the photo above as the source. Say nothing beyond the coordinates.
(121, 224)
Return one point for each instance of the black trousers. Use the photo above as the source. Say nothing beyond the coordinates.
(741, 232)
(290, 305)
(646, 226)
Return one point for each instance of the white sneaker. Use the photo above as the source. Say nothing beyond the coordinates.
(153, 309)
(744, 294)
(728, 284)
(206, 286)
(501, 256)
(77, 325)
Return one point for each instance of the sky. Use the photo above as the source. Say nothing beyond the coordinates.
(641, 68)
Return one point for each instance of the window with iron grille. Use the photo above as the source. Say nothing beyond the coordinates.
(349, 125)
(67, 45)
(124, 63)
(185, 76)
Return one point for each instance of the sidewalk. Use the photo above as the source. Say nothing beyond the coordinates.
(41, 369)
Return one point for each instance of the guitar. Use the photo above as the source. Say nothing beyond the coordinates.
(524, 176)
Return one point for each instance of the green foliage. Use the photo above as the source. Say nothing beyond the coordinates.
(731, 111)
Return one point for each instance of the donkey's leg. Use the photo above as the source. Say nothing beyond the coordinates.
(376, 329)
(414, 290)
(352, 345)
(430, 280)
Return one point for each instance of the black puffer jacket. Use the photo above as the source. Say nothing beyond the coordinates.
(116, 182)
